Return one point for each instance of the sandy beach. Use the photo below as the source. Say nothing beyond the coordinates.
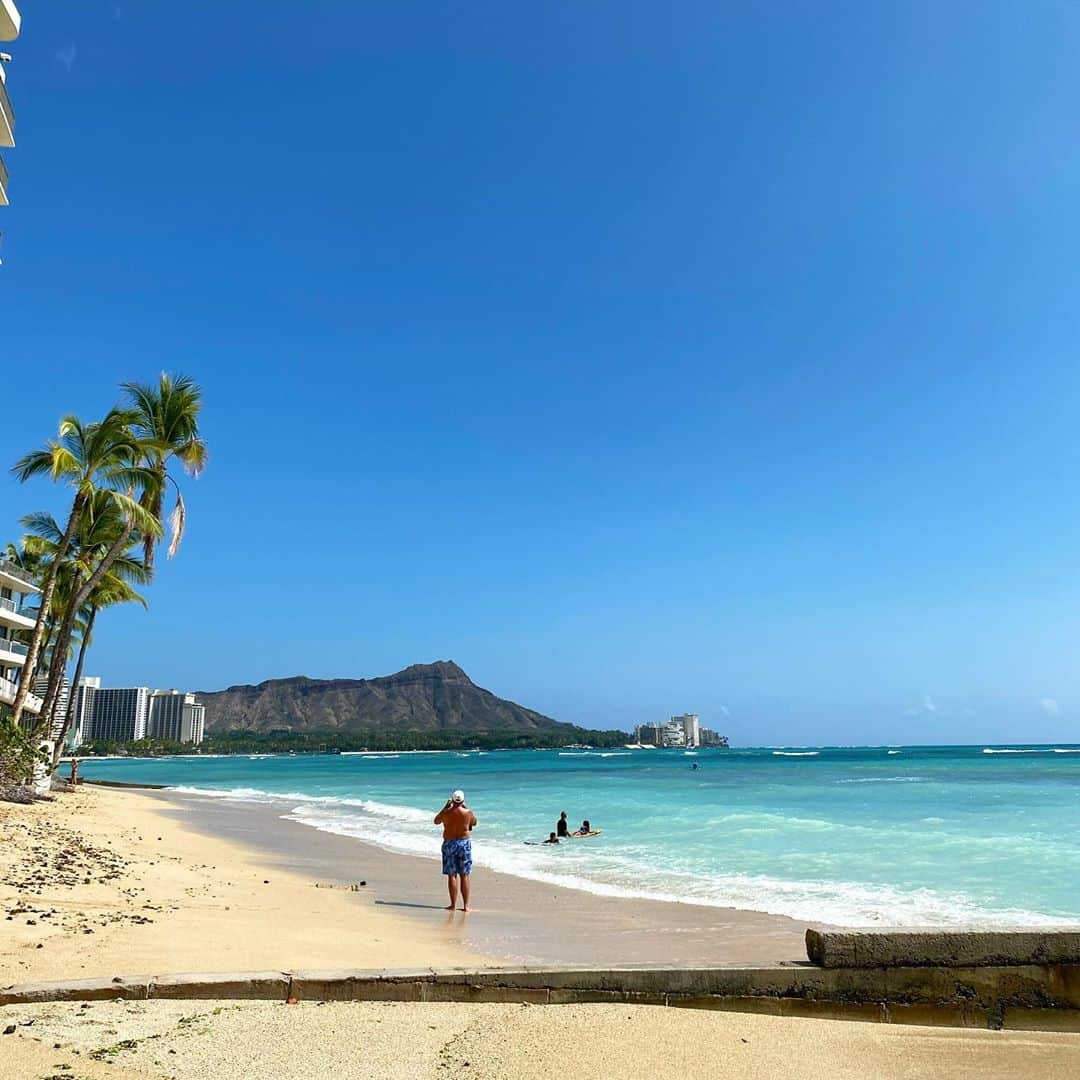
(515, 919)
(105, 882)
(208, 1040)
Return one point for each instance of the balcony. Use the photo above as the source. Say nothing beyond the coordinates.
(16, 578)
(3, 183)
(7, 117)
(8, 691)
(13, 615)
(10, 20)
(12, 652)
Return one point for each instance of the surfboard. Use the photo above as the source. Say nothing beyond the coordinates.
(543, 843)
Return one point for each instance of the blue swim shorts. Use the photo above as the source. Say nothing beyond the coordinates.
(457, 856)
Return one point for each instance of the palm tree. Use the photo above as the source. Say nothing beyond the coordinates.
(86, 457)
(113, 589)
(103, 522)
(165, 421)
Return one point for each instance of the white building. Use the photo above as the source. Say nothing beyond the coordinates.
(119, 714)
(691, 728)
(176, 716)
(15, 616)
(127, 714)
(63, 699)
(10, 21)
(673, 733)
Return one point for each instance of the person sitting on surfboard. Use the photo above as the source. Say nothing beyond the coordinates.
(562, 826)
(552, 839)
(585, 829)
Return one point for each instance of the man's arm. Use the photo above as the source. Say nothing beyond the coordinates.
(472, 820)
(439, 816)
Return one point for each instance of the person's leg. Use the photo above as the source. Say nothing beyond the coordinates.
(452, 885)
(464, 892)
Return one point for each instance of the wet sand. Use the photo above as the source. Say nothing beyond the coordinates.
(514, 919)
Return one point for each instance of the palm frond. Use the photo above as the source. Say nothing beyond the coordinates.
(177, 522)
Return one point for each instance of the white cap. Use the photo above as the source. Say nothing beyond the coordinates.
(458, 796)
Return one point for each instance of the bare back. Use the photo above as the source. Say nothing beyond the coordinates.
(456, 821)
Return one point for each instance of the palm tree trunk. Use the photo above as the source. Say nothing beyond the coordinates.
(25, 680)
(119, 546)
(58, 749)
(50, 626)
(58, 666)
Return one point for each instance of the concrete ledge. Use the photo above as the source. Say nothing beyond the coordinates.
(74, 990)
(239, 985)
(942, 948)
(1037, 997)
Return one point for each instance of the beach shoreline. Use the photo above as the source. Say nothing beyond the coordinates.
(105, 881)
(99, 882)
(516, 919)
(108, 882)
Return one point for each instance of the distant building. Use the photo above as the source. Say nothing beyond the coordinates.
(127, 714)
(684, 730)
(63, 700)
(673, 734)
(116, 715)
(648, 735)
(176, 716)
(711, 738)
(691, 728)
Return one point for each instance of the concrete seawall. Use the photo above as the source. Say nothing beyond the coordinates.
(1022, 996)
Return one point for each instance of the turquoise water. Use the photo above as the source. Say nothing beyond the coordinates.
(857, 836)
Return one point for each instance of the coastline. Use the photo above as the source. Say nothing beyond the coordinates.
(108, 882)
(515, 919)
(105, 882)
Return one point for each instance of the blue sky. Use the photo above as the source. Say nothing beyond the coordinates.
(639, 358)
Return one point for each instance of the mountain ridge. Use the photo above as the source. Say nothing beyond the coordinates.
(433, 699)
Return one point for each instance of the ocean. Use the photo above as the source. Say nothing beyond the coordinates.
(857, 836)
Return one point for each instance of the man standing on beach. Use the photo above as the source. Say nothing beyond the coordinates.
(457, 821)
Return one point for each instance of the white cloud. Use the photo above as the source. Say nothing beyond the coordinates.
(66, 56)
(929, 704)
(1049, 705)
(724, 710)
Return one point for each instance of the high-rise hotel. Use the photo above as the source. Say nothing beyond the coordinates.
(130, 713)
(15, 587)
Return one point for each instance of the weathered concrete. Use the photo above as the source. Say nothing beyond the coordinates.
(1033, 996)
(317, 984)
(241, 985)
(942, 948)
(74, 990)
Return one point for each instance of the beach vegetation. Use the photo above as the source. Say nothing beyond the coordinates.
(119, 471)
(373, 739)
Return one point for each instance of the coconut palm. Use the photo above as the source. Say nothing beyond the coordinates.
(165, 421)
(87, 458)
(110, 591)
(103, 522)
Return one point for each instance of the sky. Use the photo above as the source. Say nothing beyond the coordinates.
(641, 358)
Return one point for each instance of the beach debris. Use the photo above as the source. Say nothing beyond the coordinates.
(9, 1030)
